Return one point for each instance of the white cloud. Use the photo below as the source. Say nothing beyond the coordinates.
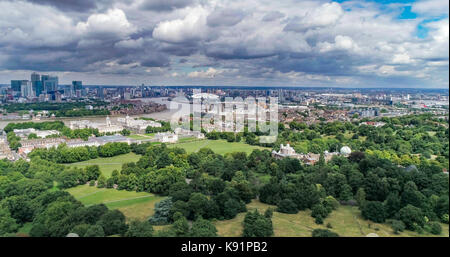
(431, 7)
(191, 27)
(401, 59)
(209, 73)
(112, 24)
(340, 43)
(26, 24)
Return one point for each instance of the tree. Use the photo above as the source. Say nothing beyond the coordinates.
(19, 207)
(360, 196)
(198, 204)
(374, 211)
(323, 233)
(319, 212)
(92, 172)
(411, 216)
(125, 132)
(139, 229)
(287, 206)
(257, 225)
(180, 225)
(7, 223)
(95, 231)
(159, 181)
(203, 228)
(231, 208)
(392, 204)
(113, 223)
(162, 212)
(397, 226)
(435, 228)
(101, 181)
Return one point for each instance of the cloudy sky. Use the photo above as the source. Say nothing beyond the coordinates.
(384, 43)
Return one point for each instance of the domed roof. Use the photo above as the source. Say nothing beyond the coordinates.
(346, 150)
(72, 235)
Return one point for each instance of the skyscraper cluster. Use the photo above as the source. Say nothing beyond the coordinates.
(44, 86)
(39, 84)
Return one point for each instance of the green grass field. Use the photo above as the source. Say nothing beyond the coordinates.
(139, 137)
(107, 165)
(134, 205)
(346, 221)
(218, 146)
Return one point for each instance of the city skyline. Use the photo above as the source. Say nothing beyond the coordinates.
(352, 44)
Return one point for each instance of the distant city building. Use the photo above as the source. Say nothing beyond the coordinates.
(26, 89)
(24, 133)
(50, 83)
(37, 84)
(77, 85)
(107, 127)
(138, 125)
(166, 137)
(16, 86)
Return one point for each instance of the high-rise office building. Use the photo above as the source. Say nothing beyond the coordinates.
(35, 77)
(36, 83)
(50, 83)
(26, 89)
(77, 85)
(16, 86)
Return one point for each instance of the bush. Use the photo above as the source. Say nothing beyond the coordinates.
(435, 228)
(319, 212)
(92, 183)
(397, 226)
(331, 203)
(323, 233)
(444, 218)
(95, 231)
(110, 183)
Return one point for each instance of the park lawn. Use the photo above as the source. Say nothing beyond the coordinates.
(134, 205)
(218, 146)
(139, 137)
(140, 209)
(107, 165)
(346, 221)
(187, 139)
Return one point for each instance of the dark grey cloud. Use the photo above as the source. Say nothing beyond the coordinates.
(155, 60)
(225, 17)
(68, 5)
(165, 5)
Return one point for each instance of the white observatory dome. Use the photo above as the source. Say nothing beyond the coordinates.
(346, 150)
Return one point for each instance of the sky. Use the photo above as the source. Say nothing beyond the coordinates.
(371, 43)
